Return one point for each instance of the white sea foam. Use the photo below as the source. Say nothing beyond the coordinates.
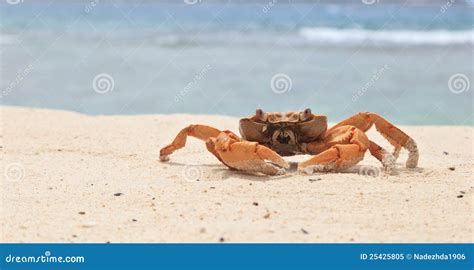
(320, 37)
(384, 37)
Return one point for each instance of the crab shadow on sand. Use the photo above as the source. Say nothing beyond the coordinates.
(362, 170)
(226, 173)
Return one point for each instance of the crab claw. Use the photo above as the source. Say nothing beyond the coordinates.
(248, 156)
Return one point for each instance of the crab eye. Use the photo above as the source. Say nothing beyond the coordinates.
(305, 115)
(261, 115)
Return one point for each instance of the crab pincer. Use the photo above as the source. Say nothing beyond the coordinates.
(248, 156)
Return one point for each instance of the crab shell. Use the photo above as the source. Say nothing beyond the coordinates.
(285, 133)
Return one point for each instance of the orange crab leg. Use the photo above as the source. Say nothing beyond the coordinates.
(211, 144)
(268, 154)
(395, 136)
(248, 156)
(339, 156)
(387, 159)
(201, 132)
(347, 146)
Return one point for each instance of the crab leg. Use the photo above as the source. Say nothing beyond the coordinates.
(387, 159)
(249, 156)
(347, 146)
(339, 156)
(395, 136)
(267, 154)
(201, 132)
(211, 144)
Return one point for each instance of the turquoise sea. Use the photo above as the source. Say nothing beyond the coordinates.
(410, 63)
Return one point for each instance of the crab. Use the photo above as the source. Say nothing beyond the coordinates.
(268, 136)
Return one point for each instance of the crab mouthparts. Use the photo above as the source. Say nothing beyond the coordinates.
(284, 136)
(283, 139)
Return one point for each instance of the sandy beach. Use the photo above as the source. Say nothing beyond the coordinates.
(69, 177)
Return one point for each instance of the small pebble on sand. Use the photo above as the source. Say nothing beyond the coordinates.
(88, 224)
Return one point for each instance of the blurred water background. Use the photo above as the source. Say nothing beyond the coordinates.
(409, 61)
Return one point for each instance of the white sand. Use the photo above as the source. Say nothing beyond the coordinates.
(70, 163)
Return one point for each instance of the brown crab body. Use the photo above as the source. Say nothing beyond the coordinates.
(285, 133)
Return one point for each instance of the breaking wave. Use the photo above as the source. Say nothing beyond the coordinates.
(386, 37)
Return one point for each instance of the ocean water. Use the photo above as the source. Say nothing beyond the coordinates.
(411, 63)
